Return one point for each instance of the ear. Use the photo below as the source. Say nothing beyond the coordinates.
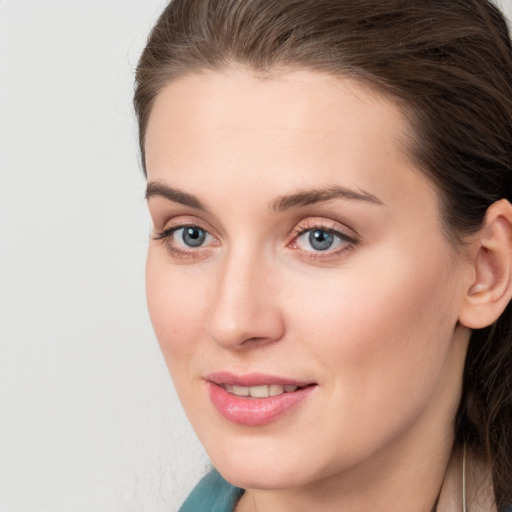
(491, 288)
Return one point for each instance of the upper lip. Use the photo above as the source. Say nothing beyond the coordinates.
(253, 379)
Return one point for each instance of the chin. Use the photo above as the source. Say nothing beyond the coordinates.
(261, 464)
(266, 476)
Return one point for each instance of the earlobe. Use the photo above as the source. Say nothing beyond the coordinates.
(491, 288)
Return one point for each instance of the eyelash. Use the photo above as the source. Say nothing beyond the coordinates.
(166, 237)
(349, 241)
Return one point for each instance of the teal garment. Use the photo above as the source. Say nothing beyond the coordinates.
(212, 494)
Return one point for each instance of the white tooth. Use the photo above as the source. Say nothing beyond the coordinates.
(276, 389)
(240, 391)
(259, 391)
(290, 389)
(228, 387)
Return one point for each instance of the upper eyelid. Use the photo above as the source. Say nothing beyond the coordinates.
(335, 231)
(328, 225)
(186, 221)
(167, 232)
(165, 213)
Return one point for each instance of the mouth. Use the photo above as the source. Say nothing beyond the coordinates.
(255, 399)
(262, 391)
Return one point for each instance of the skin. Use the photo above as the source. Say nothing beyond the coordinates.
(374, 321)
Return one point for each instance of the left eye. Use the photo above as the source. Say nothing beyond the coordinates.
(320, 240)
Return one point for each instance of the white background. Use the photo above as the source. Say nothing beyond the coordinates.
(88, 417)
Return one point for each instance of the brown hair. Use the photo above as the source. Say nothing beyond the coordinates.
(448, 62)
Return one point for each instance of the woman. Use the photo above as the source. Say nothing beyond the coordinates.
(329, 272)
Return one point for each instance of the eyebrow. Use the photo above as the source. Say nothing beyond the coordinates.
(320, 195)
(282, 203)
(156, 188)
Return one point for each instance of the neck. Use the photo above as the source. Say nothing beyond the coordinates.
(467, 485)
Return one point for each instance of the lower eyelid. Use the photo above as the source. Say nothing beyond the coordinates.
(328, 256)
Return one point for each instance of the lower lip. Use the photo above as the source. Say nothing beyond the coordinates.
(255, 411)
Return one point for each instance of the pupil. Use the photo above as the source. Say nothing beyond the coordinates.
(321, 240)
(193, 237)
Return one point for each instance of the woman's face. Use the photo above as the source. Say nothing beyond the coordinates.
(295, 244)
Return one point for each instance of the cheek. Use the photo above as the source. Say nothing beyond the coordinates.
(386, 328)
(176, 307)
(381, 340)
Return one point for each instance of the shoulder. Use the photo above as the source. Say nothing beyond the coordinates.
(212, 494)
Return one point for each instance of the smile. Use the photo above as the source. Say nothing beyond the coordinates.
(256, 400)
(263, 391)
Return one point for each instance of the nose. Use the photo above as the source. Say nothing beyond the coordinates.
(244, 309)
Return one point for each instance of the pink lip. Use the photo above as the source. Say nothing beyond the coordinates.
(253, 379)
(254, 411)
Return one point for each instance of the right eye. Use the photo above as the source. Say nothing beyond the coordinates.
(185, 241)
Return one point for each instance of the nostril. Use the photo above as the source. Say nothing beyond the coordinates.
(255, 339)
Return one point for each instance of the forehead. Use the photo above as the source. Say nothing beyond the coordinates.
(292, 129)
(237, 99)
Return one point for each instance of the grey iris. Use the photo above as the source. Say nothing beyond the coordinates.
(320, 240)
(193, 237)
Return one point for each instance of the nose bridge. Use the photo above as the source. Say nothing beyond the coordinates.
(244, 306)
